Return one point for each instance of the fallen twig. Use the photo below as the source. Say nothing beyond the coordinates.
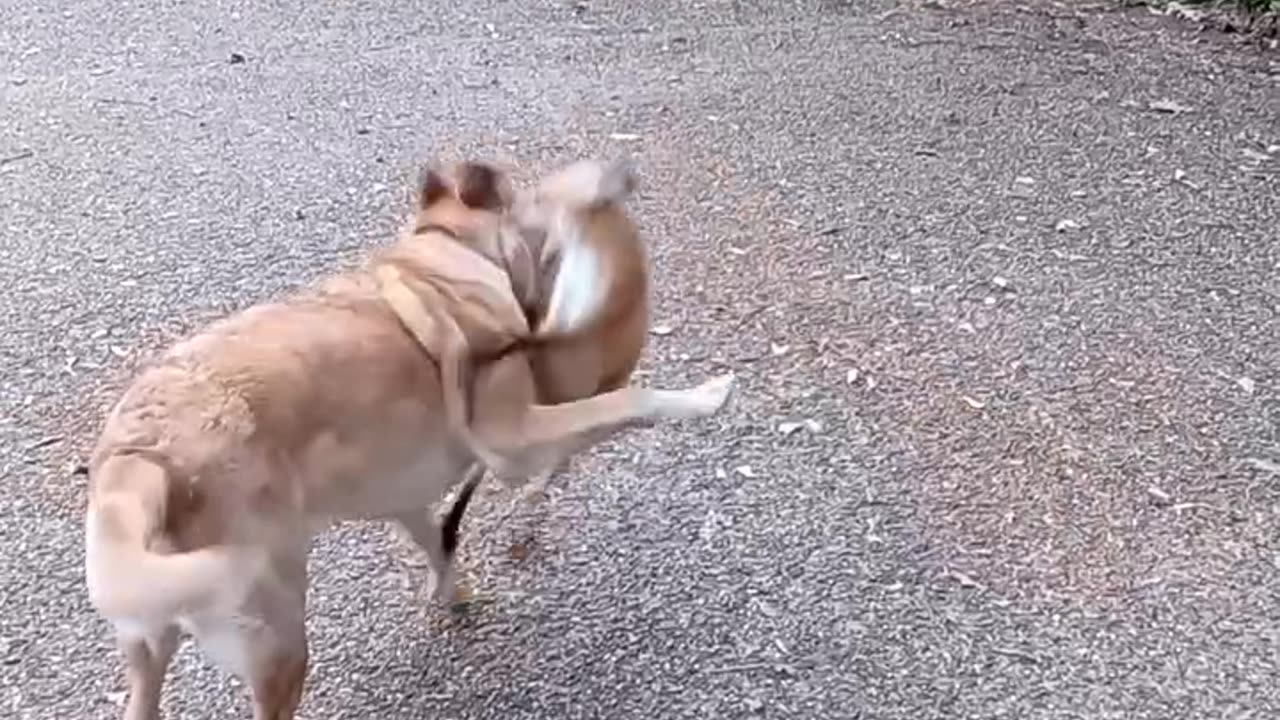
(1264, 465)
(1179, 507)
(120, 101)
(745, 667)
(46, 442)
(17, 157)
(1017, 654)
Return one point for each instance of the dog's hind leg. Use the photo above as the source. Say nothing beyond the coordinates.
(279, 677)
(263, 640)
(146, 660)
(276, 648)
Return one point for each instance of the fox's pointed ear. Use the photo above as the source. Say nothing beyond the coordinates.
(431, 188)
(481, 187)
(618, 180)
(591, 183)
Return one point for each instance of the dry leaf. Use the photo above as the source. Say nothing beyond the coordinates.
(1179, 175)
(462, 594)
(965, 580)
(1264, 465)
(1247, 384)
(1159, 495)
(789, 428)
(1000, 282)
(871, 536)
(973, 402)
(624, 136)
(1024, 180)
(735, 250)
(721, 474)
(745, 471)
(1065, 225)
(518, 551)
(777, 349)
(1178, 9)
(851, 376)
(1166, 105)
(661, 330)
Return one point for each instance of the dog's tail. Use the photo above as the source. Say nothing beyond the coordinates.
(126, 577)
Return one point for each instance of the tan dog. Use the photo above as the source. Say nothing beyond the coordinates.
(225, 456)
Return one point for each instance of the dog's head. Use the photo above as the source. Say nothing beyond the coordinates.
(467, 200)
(470, 202)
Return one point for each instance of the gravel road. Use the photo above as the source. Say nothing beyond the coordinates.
(1000, 282)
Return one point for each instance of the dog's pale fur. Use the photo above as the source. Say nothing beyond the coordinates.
(223, 458)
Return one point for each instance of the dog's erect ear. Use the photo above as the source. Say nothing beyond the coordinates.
(432, 187)
(480, 187)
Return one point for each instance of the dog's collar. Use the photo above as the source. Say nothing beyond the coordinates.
(504, 265)
(437, 228)
(454, 236)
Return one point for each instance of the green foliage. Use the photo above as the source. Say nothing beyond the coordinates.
(1260, 6)
(1252, 6)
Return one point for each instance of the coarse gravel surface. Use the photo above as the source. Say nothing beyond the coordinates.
(1000, 283)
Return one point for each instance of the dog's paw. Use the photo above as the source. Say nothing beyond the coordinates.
(461, 599)
(535, 494)
(710, 397)
(442, 585)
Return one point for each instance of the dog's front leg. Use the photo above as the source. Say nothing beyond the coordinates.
(428, 537)
(439, 542)
(539, 438)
